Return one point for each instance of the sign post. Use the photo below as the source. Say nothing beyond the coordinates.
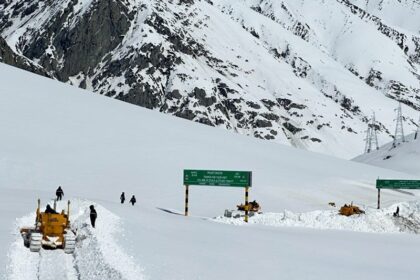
(246, 204)
(186, 200)
(219, 178)
(395, 185)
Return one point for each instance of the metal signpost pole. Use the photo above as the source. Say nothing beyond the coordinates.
(186, 200)
(246, 204)
(379, 198)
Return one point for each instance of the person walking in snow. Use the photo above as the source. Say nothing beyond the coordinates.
(93, 215)
(59, 193)
(122, 197)
(397, 212)
(133, 200)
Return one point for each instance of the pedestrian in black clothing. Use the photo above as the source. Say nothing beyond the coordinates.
(59, 193)
(133, 200)
(122, 197)
(49, 210)
(397, 212)
(93, 215)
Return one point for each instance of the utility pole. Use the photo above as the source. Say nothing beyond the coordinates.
(368, 144)
(371, 135)
(399, 130)
(373, 132)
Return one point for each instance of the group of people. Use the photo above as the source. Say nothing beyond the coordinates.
(93, 215)
(60, 193)
(132, 200)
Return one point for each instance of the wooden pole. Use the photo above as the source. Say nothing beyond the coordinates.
(186, 200)
(246, 204)
(379, 198)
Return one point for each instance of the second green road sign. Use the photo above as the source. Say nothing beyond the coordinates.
(218, 178)
(398, 184)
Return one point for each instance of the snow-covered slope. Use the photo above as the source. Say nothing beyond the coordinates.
(305, 73)
(95, 147)
(405, 157)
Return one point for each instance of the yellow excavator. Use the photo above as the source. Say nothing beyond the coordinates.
(52, 230)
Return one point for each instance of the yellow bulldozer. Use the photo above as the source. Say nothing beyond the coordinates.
(51, 230)
(348, 210)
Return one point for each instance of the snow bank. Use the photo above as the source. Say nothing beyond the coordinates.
(375, 221)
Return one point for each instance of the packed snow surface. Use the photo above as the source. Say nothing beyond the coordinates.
(95, 148)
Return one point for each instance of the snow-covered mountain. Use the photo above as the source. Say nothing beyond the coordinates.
(95, 147)
(307, 73)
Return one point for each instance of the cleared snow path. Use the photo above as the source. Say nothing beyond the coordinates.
(55, 264)
(376, 221)
(97, 254)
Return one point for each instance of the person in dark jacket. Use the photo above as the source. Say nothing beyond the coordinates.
(133, 200)
(49, 210)
(397, 212)
(59, 193)
(93, 215)
(122, 197)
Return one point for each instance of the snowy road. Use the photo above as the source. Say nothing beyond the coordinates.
(97, 255)
(55, 264)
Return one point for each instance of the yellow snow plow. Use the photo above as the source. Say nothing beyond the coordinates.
(51, 230)
(252, 206)
(348, 210)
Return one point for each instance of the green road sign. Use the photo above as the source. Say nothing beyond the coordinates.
(398, 184)
(218, 178)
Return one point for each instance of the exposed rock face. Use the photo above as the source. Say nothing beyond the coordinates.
(276, 70)
(9, 57)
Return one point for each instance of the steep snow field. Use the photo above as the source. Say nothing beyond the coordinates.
(53, 134)
(304, 73)
(404, 157)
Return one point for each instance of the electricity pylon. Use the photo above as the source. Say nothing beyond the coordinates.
(371, 136)
(399, 130)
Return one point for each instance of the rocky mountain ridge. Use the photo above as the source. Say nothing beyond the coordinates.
(307, 73)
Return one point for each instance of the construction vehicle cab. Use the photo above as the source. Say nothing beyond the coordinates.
(51, 230)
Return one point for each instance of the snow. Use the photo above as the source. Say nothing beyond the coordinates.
(390, 11)
(404, 157)
(97, 255)
(374, 221)
(325, 53)
(96, 147)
